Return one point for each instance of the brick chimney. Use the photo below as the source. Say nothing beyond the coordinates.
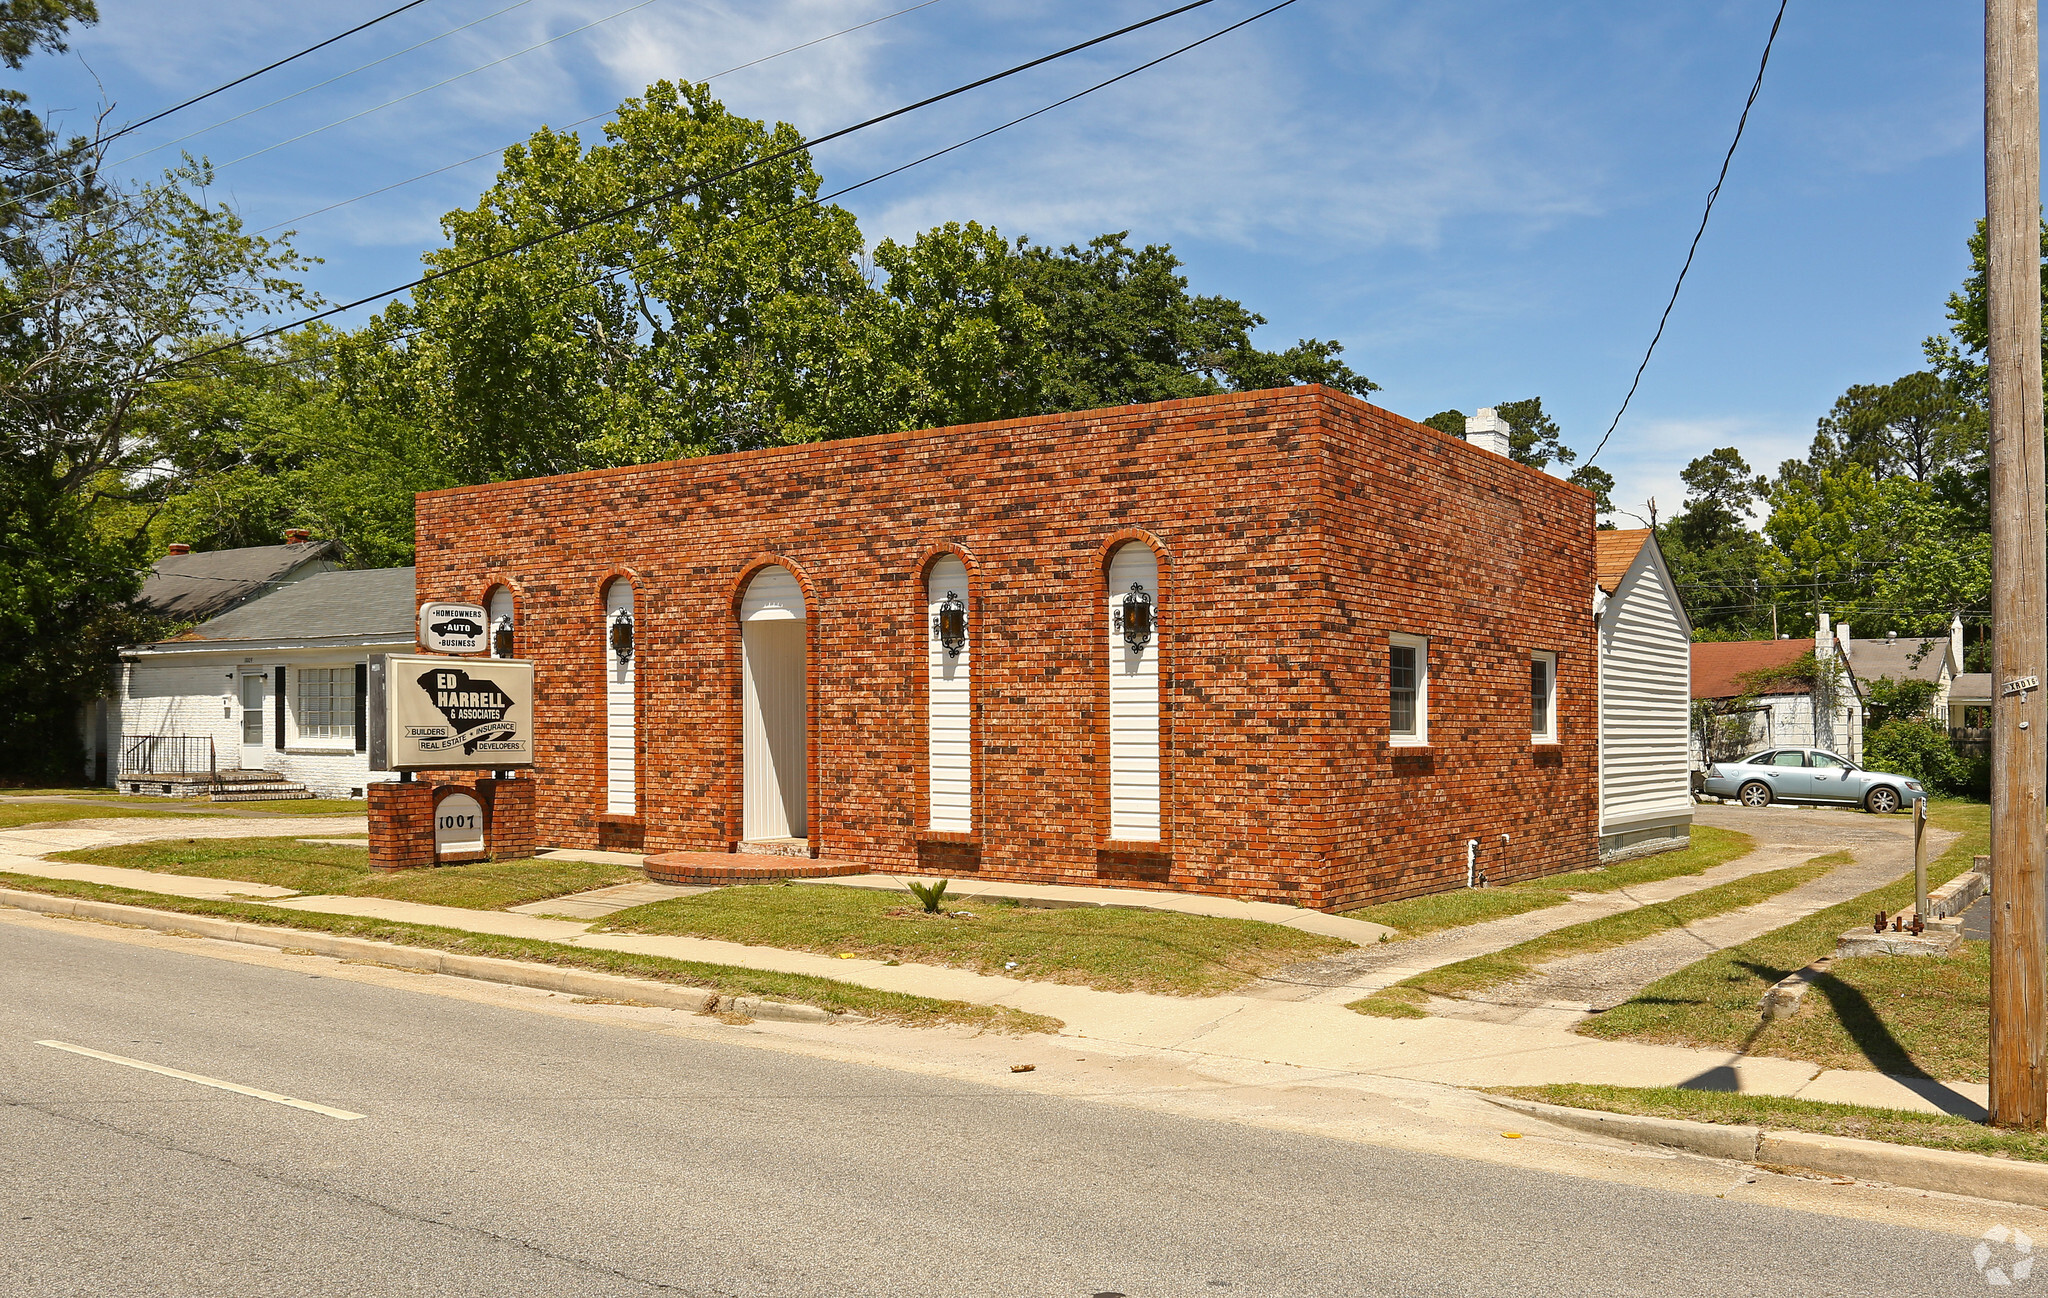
(1487, 431)
(178, 547)
(296, 536)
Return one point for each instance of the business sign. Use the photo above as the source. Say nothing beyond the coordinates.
(454, 628)
(429, 713)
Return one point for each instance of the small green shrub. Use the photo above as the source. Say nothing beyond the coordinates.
(931, 895)
(1921, 749)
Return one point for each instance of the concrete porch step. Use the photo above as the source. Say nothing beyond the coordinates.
(718, 869)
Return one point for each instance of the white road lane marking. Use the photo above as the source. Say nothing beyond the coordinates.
(238, 1089)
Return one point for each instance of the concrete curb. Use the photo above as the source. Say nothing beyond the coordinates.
(1974, 1176)
(516, 973)
(1709, 1138)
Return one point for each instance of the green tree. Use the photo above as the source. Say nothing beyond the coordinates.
(1917, 425)
(1121, 328)
(1534, 438)
(963, 341)
(258, 443)
(1451, 422)
(728, 312)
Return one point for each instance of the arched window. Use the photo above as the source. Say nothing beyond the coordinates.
(949, 698)
(1132, 619)
(621, 794)
(773, 634)
(504, 629)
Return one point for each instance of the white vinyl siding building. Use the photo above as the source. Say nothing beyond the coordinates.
(275, 685)
(1645, 651)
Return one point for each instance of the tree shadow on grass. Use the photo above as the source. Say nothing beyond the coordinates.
(1866, 1028)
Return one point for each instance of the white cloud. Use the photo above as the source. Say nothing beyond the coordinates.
(1645, 458)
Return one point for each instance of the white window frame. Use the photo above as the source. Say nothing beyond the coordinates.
(1420, 644)
(340, 732)
(1548, 661)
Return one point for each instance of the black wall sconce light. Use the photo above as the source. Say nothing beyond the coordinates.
(950, 624)
(501, 637)
(622, 635)
(1134, 618)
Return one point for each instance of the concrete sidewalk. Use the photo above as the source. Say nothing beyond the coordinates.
(1358, 931)
(1317, 1033)
(1307, 1034)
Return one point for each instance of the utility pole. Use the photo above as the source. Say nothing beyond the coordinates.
(2019, 565)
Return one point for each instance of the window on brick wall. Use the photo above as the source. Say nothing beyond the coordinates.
(327, 702)
(1543, 697)
(1408, 689)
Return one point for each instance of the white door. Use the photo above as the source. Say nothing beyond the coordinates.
(773, 629)
(255, 752)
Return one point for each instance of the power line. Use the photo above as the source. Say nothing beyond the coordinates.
(488, 153)
(269, 148)
(822, 199)
(682, 190)
(319, 85)
(1755, 89)
(268, 67)
(414, 94)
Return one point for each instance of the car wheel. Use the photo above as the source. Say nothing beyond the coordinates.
(1755, 794)
(1881, 801)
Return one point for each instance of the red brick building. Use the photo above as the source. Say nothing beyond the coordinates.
(1368, 662)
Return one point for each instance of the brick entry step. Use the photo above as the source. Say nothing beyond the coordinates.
(716, 869)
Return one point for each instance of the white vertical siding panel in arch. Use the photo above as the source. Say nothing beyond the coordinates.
(501, 607)
(1133, 704)
(950, 704)
(773, 628)
(620, 792)
(1645, 703)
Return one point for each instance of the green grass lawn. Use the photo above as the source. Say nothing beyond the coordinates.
(1468, 977)
(1415, 916)
(1900, 1126)
(726, 980)
(1911, 1015)
(298, 806)
(1113, 949)
(346, 872)
(13, 815)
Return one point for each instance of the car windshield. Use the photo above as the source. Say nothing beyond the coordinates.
(1755, 759)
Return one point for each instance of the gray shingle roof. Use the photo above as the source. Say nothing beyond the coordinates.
(1871, 659)
(188, 587)
(373, 603)
(1970, 687)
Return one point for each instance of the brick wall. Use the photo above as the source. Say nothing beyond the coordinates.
(1295, 528)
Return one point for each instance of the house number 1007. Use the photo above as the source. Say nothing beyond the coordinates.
(458, 822)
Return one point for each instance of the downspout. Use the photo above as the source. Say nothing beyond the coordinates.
(1472, 876)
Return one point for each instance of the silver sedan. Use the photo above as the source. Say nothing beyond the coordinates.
(1808, 775)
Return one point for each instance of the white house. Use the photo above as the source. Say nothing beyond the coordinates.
(1764, 701)
(265, 701)
(1938, 660)
(1645, 698)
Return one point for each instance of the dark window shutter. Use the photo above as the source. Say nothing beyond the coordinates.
(362, 707)
(280, 708)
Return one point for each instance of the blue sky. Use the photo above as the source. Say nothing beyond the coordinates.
(1483, 199)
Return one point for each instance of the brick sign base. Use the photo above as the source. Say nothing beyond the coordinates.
(402, 821)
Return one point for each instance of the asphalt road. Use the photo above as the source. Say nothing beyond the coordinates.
(504, 1152)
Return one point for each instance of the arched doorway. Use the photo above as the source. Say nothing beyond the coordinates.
(773, 629)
